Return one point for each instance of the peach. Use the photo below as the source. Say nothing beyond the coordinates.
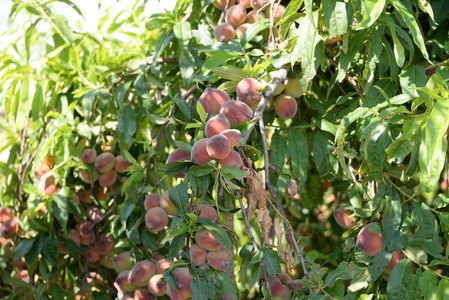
(395, 258)
(107, 262)
(342, 216)
(216, 125)
(104, 162)
(162, 265)
(258, 4)
(75, 198)
(72, 235)
(221, 259)
(104, 244)
(47, 183)
(9, 228)
(278, 10)
(240, 31)
(93, 255)
(236, 112)
(88, 156)
(85, 176)
(197, 255)
(233, 136)
(253, 16)
(167, 204)
(222, 4)
(279, 289)
(84, 197)
(249, 91)
(142, 294)
(123, 261)
(218, 146)
(246, 3)
(212, 99)
(141, 273)
(182, 279)
(206, 212)
(85, 233)
(204, 266)
(94, 214)
(5, 214)
(236, 15)
(122, 284)
(23, 275)
(224, 32)
(285, 106)
(42, 169)
(368, 242)
(156, 219)
(280, 88)
(233, 159)
(157, 285)
(121, 164)
(152, 200)
(206, 240)
(292, 188)
(293, 87)
(178, 155)
(199, 152)
(107, 179)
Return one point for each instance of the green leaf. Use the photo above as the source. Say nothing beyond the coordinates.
(326, 162)
(23, 248)
(227, 284)
(299, 155)
(391, 221)
(433, 147)
(428, 284)
(179, 197)
(253, 30)
(335, 15)
(278, 149)
(373, 9)
(347, 57)
(398, 48)
(412, 77)
(425, 222)
(344, 271)
(183, 33)
(443, 289)
(427, 8)
(374, 54)
(201, 112)
(229, 72)
(127, 124)
(234, 172)
(410, 20)
(400, 279)
(198, 288)
(199, 171)
(416, 253)
(60, 208)
(374, 149)
(217, 60)
(84, 130)
(271, 262)
(378, 265)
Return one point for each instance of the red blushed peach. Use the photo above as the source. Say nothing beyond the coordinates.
(218, 146)
(240, 31)
(253, 16)
(293, 87)
(104, 244)
(212, 99)
(41, 169)
(23, 275)
(107, 179)
(182, 279)
(84, 197)
(236, 15)
(157, 285)
(197, 255)
(156, 219)
(142, 294)
(246, 3)
(5, 214)
(233, 159)
(104, 162)
(121, 164)
(85, 176)
(85, 232)
(152, 200)
(206, 212)
(199, 152)
(9, 228)
(342, 216)
(166, 203)
(123, 261)
(75, 198)
(122, 284)
(222, 4)
(368, 242)
(93, 255)
(292, 188)
(178, 155)
(279, 289)
(162, 265)
(258, 4)
(236, 112)
(249, 91)
(221, 259)
(206, 240)
(395, 258)
(141, 273)
(285, 106)
(233, 136)
(47, 183)
(216, 125)
(224, 32)
(88, 156)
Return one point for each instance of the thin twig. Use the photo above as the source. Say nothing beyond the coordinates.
(23, 134)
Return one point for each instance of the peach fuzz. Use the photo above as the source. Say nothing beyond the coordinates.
(218, 146)
(156, 219)
(85, 232)
(104, 244)
(258, 4)
(368, 242)
(221, 259)
(246, 3)
(222, 4)
(199, 152)
(162, 265)
(182, 279)
(141, 273)
(88, 156)
(157, 286)
(293, 87)
(236, 112)
(249, 90)
(85, 176)
(5, 214)
(152, 200)
(342, 216)
(197, 255)
(166, 203)
(94, 213)
(122, 261)
(47, 183)
(107, 179)
(279, 289)
(175, 156)
(206, 240)
(252, 17)
(104, 162)
(240, 31)
(216, 125)
(236, 15)
(224, 32)
(9, 228)
(212, 99)
(121, 164)
(142, 294)
(233, 136)
(206, 212)
(233, 159)
(395, 258)
(285, 106)
(278, 10)
(122, 284)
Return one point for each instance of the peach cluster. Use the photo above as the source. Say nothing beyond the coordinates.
(285, 103)
(144, 280)
(47, 180)
(9, 225)
(158, 209)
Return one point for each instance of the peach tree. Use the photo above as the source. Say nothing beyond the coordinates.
(226, 149)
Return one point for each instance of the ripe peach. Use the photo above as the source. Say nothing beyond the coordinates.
(141, 273)
(249, 91)
(206, 240)
(293, 87)
(224, 32)
(236, 15)
(285, 106)
(47, 183)
(5, 214)
(246, 3)
(23, 275)
(41, 169)
(104, 244)
(104, 162)
(88, 156)
(162, 265)
(240, 31)
(197, 255)
(252, 17)
(218, 146)
(9, 228)
(93, 255)
(106, 261)
(182, 279)
(236, 112)
(368, 242)
(152, 200)
(221, 259)
(233, 159)
(121, 164)
(292, 188)
(233, 136)
(199, 152)
(94, 213)
(85, 176)
(178, 155)
(122, 284)
(212, 99)
(142, 294)
(157, 285)
(167, 204)
(395, 258)
(278, 10)
(84, 197)
(342, 216)
(216, 125)
(278, 289)
(85, 232)
(222, 4)
(107, 179)
(206, 212)
(123, 261)
(258, 4)
(156, 219)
